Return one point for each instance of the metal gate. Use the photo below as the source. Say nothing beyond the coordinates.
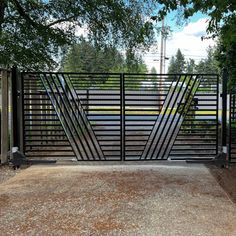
(232, 128)
(120, 116)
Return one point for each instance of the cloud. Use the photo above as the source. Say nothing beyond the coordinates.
(188, 40)
(81, 31)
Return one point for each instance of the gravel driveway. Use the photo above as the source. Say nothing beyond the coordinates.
(115, 200)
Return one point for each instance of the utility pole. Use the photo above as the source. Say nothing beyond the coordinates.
(162, 45)
(164, 54)
(164, 34)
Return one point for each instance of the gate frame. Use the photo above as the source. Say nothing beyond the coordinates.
(18, 115)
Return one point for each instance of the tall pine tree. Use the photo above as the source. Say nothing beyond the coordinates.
(177, 64)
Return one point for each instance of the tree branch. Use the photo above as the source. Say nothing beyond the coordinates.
(22, 12)
(60, 21)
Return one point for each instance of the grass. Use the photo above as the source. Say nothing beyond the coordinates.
(144, 111)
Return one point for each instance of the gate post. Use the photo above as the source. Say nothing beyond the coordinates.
(4, 117)
(17, 108)
(224, 114)
(14, 107)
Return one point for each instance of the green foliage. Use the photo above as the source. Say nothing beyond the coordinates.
(134, 63)
(177, 64)
(208, 65)
(88, 58)
(219, 11)
(153, 70)
(226, 51)
(34, 33)
(84, 57)
(191, 66)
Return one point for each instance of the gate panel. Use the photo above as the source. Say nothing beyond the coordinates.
(100, 98)
(144, 97)
(232, 129)
(44, 136)
(198, 135)
(171, 116)
(88, 108)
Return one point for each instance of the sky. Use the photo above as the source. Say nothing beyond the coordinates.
(186, 37)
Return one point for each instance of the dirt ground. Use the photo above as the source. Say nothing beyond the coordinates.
(116, 200)
(7, 172)
(226, 177)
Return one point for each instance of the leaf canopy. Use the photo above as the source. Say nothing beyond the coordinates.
(33, 33)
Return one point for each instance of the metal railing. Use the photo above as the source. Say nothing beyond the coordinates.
(232, 128)
(124, 117)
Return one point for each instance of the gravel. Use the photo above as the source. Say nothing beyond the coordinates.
(7, 172)
(116, 200)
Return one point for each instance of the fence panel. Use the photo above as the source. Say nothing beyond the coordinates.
(232, 128)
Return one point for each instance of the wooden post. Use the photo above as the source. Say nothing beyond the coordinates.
(4, 117)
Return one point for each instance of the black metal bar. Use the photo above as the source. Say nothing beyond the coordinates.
(224, 112)
(68, 115)
(63, 115)
(182, 112)
(161, 121)
(72, 109)
(123, 117)
(82, 118)
(232, 130)
(14, 106)
(23, 111)
(173, 118)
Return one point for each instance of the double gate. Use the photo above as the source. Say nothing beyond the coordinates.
(120, 116)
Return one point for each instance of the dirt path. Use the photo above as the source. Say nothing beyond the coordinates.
(115, 200)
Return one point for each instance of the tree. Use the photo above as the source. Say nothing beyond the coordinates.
(171, 67)
(89, 58)
(177, 64)
(134, 63)
(208, 65)
(218, 11)
(226, 51)
(191, 66)
(153, 70)
(34, 33)
(85, 57)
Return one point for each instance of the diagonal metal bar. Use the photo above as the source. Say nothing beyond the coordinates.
(66, 111)
(81, 129)
(71, 113)
(182, 115)
(177, 102)
(60, 115)
(66, 115)
(159, 121)
(84, 118)
(166, 125)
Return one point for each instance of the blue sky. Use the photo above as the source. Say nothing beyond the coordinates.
(186, 37)
(171, 20)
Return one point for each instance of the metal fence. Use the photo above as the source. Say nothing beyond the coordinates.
(120, 116)
(232, 128)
